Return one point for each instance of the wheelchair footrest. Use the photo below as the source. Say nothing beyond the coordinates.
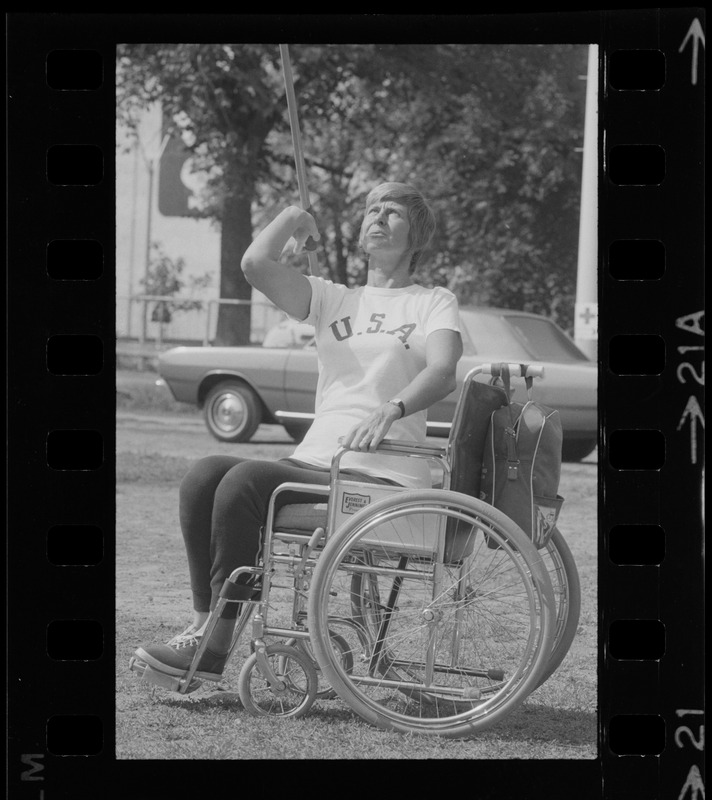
(170, 682)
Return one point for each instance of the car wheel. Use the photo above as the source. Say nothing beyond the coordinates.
(232, 411)
(297, 430)
(577, 449)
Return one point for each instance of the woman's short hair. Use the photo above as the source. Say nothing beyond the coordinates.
(420, 216)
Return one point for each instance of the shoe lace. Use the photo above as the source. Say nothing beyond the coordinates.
(185, 639)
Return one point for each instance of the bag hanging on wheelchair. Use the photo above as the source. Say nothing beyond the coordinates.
(522, 464)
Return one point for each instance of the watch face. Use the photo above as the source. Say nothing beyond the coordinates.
(400, 404)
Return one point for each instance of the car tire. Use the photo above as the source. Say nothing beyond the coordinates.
(232, 411)
(577, 449)
(297, 430)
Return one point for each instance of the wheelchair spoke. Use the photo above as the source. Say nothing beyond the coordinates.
(451, 646)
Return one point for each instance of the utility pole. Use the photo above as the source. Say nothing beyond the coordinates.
(586, 307)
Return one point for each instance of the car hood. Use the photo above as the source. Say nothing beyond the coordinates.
(179, 355)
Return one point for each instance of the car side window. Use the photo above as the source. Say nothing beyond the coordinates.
(289, 334)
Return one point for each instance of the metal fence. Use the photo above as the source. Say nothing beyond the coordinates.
(158, 319)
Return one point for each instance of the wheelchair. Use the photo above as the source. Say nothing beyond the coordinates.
(426, 611)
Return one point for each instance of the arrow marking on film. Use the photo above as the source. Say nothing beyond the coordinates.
(697, 34)
(694, 783)
(694, 413)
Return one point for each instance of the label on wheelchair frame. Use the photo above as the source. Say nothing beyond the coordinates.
(412, 533)
(351, 503)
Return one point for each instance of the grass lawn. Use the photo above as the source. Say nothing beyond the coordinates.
(557, 721)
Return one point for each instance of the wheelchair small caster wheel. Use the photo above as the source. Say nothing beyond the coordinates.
(344, 651)
(288, 692)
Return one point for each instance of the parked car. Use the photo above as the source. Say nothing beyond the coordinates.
(240, 387)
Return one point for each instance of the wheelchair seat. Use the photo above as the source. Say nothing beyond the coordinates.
(302, 518)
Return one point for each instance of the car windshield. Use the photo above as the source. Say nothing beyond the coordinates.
(488, 335)
(544, 340)
(516, 338)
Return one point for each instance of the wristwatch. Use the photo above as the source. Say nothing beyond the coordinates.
(398, 402)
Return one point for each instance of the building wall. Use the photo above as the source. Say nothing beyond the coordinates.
(196, 241)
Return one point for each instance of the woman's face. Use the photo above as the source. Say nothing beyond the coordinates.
(385, 228)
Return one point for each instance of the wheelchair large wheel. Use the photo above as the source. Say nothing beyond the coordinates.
(561, 567)
(454, 645)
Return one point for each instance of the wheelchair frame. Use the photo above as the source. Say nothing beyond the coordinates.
(363, 649)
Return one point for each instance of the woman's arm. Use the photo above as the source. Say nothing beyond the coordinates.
(443, 349)
(287, 288)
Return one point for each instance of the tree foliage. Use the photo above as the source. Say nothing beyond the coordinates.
(224, 100)
(490, 134)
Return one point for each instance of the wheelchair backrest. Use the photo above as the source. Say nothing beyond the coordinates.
(470, 424)
(465, 451)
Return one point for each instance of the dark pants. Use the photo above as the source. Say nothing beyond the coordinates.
(223, 507)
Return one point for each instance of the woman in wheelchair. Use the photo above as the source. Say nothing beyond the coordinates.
(387, 351)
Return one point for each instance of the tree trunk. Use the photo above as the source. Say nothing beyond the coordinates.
(339, 274)
(234, 321)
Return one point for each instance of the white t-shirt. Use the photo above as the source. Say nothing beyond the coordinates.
(370, 345)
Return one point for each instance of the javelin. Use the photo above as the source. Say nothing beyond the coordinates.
(310, 245)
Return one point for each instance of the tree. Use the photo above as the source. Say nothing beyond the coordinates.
(489, 133)
(164, 279)
(501, 158)
(224, 100)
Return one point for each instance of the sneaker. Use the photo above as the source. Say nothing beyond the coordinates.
(176, 657)
(189, 632)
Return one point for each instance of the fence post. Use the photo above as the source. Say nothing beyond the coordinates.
(206, 337)
(144, 324)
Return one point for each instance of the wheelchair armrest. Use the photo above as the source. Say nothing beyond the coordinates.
(405, 446)
(396, 446)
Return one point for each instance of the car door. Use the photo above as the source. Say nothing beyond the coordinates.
(300, 379)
